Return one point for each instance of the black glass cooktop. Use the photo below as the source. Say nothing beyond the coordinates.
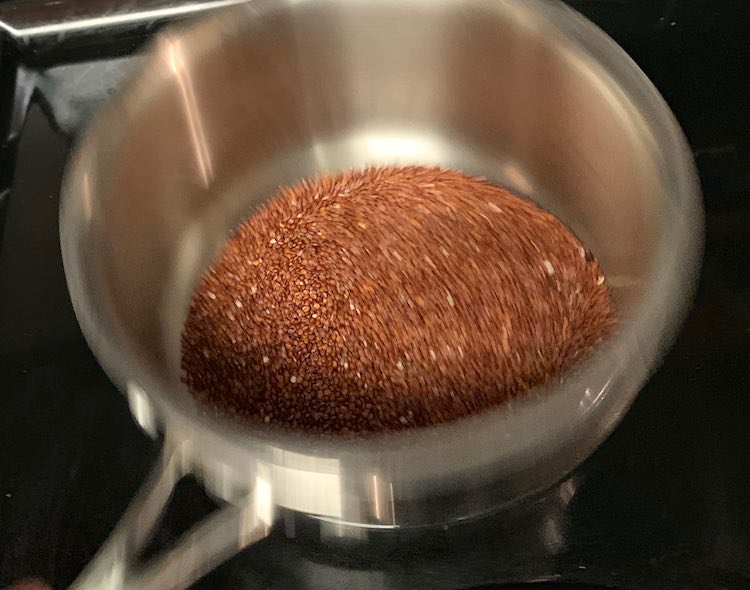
(664, 503)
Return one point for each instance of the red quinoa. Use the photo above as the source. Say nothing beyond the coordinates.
(390, 298)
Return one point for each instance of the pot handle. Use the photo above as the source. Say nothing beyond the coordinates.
(222, 534)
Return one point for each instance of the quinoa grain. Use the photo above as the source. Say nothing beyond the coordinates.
(390, 298)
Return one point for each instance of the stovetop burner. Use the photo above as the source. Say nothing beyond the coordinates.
(663, 503)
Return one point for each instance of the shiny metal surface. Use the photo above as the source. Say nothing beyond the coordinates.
(218, 537)
(57, 18)
(89, 27)
(528, 94)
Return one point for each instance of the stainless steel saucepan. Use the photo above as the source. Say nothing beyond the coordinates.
(524, 92)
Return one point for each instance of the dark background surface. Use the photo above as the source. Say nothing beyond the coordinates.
(664, 503)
